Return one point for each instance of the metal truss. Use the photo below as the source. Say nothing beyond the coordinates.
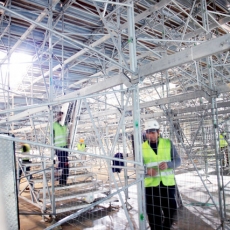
(110, 66)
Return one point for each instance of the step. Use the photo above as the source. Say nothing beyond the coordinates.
(40, 180)
(77, 195)
(77, 185)
(50, 162)
(36, 164)
(77, 161)
(70, 169)
(79, 167)
(67, 207)
(71, 208)
(81, 175)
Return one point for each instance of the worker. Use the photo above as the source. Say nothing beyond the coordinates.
(224, 148)
(25, 149)
(160, 158)
(60, 140)
(81, 146)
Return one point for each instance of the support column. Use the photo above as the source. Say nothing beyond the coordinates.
(51, 92)
(136, 118)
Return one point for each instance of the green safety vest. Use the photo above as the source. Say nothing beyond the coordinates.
(60, 135)
(163, 155)
(81, 147)
(223, 142)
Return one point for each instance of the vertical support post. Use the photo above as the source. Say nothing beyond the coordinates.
(62, 56)
(136, 117)
(228, 137)
(8, 68)
(75, 120)
(51, 91)
(214, 110)
(204, 147)
(124, 151)
(122, 107)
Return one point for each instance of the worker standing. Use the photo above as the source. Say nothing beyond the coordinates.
(224, 148)
(25, 149)
(60, 140)
(81, 146)
(161, 158)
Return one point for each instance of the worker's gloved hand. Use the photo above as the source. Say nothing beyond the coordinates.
(66, 163)
(152, 171)
(163, 166)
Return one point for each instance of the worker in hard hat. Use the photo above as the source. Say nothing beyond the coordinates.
(25, 150)
(160, 158)
(81, 146)
(224, 148)
(60, 140)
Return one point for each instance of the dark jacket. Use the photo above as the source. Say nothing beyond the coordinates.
(118, 163)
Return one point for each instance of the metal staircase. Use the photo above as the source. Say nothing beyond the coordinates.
(82, 184)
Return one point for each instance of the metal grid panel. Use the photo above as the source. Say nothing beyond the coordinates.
(8, 194)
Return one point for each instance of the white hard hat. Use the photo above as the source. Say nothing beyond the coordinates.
(152, 125)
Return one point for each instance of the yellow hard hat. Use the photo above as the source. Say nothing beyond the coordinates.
(81, 140)
(25, 148)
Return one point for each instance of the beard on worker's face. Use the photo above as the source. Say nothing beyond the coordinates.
(152, 138)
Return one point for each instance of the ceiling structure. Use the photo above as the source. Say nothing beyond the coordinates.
(81, 49)
(107, 62)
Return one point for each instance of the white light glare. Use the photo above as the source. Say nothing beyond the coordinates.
(18, 65)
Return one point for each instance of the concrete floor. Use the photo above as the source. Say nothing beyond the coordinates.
(190, 217)
(109, 219)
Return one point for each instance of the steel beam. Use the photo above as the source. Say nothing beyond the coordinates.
(208, 48)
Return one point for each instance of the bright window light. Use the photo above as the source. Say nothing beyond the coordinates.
(18, 65)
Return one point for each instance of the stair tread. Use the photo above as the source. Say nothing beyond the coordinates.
(85, 183)
(69, 177)
(62, 197)
(76, 168)
(70, 208)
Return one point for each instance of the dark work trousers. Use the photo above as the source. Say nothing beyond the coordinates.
(24, 162)
(160, 206)
(63, 164)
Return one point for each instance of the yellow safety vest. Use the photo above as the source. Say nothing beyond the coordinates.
(223, 142)
(81, 147)
(25, 149)
(163, 155)
(60, 135)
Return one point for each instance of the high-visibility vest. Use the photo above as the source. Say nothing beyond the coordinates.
(60, 135)
(223, 142)
(163, 155)
(81, 147)
(25, 149)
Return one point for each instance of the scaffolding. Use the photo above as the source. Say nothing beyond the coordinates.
(109, 66)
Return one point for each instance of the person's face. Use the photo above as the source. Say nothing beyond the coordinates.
(153, 136)
(59, 117)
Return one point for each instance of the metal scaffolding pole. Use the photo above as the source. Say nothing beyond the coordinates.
(221, 191)
(51, 93)
(214, 111)
(136, 119)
